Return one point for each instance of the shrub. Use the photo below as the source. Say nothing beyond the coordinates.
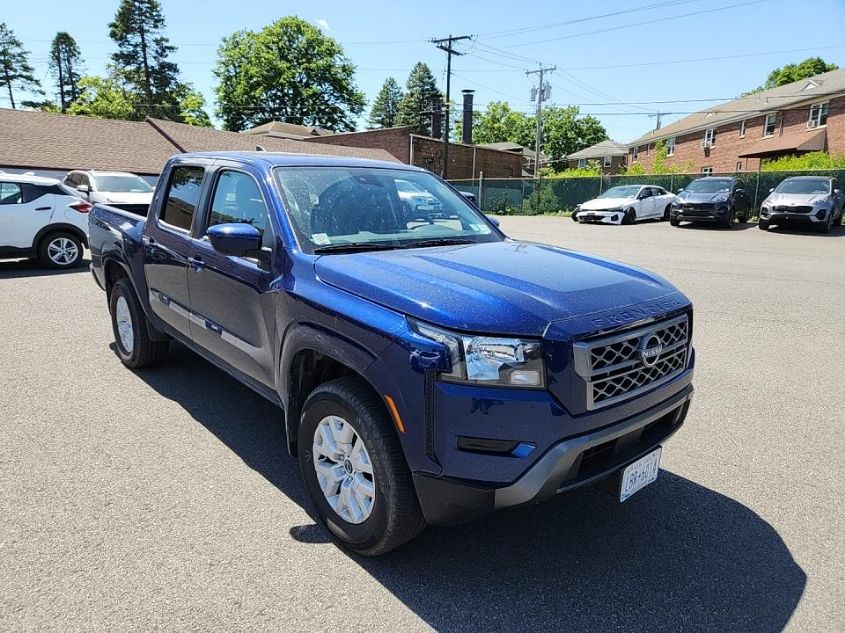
(805, 162)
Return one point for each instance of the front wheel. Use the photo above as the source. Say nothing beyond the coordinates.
(354, 468)
(763, 225)
(674, 221)
(728, 221)
(666, 212)
(825, 228)
(60, 251)
(129, 324)
(629, 217)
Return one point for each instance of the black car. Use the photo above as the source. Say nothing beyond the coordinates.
(717, 200)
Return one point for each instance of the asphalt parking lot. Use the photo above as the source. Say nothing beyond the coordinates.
(164, 500)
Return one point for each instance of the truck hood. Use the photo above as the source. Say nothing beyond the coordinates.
(498, 288)
(804, 199)
(606, 204)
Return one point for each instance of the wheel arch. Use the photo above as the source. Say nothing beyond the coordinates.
(59, 227)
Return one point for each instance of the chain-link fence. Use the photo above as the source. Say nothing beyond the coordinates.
(526, 196)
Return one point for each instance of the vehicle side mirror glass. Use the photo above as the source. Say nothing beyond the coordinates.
(771, 189)
(740, 192)
(236, 239)
(495, 221)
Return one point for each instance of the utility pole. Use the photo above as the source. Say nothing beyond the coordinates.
(445, 44)
(543, 93)
(659, 116)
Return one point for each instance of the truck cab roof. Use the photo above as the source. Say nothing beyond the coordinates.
(284, 159)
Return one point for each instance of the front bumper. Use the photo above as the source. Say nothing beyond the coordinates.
(716, 214)
(599, 217)
(781, 217)
(569, 464)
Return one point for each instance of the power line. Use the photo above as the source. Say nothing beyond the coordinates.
(634, 24)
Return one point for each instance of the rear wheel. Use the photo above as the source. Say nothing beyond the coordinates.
(60, 250)
(354, 468)
(129, 324)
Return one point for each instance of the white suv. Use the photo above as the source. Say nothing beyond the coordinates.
(39, 217)
(116, 188)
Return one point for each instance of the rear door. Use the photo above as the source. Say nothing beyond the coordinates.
(24, 210)
(233, 312)
(167, 245)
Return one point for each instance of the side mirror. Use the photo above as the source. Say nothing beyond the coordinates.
(740, 192)
(493, 220)
(680, 190)
(837, 191)
(83, 189)
(771, 189)
(237, 239)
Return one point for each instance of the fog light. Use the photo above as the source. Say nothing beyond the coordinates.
(526, 377)
(820, 214)
(614, 218)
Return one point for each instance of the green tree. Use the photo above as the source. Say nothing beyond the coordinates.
(565, 132)
(420, 91)
(104, 98)
(192, 106)
(142, 58)
(499, 123)
(15, 71)
(288, 71)
(385, 108)
(65, 63)
(796, 72)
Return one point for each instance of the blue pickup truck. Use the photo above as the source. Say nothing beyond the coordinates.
(429, 368)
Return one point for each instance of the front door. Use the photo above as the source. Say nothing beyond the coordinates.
(23, 212)
(233, 311)
(167, 246)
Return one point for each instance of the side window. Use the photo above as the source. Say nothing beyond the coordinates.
(10, 193)
(645, 193)
(32, 192)
(183, 193)
(83, 180)
(237, 198)
(72, 180)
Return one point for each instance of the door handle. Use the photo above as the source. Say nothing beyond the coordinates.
(43, 208)
(196, 263)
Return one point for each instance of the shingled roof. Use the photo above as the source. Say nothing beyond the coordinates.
(42, 140)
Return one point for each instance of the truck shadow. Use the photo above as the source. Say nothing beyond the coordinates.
(679, 557)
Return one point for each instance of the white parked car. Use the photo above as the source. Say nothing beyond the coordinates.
(40, 217)
(626, 204)
(116, 188)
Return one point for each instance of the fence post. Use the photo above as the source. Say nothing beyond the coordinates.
(481, 190)
(756, 193)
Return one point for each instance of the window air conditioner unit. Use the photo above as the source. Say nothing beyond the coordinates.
(705, 144)
(812, 124)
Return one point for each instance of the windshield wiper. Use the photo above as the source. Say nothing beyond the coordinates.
(443, 241)
(353, 248)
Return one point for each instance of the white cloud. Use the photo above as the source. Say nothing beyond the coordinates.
(323, 24)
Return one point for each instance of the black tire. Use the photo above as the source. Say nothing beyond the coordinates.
(728, 222)
(667, 212)
(742, 219)
(144, 352)
(629, 217)
(395, 517)
(674, 221)
(825, 228)
(575, 216)
(54, 250)
(838, 221)
(763, 225)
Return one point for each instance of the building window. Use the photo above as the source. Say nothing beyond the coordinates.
(608, 161)
(635, 156)
(739, 165)
(706, 171)
(582, 162)
(818, 114)
(710, 137)
(670, 146)
(742, 128)
(770, 125)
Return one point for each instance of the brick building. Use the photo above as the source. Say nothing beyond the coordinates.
(609, 154)
(804, 116)
(465, 161)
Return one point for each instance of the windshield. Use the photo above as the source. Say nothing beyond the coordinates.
(332, 208)
(804, 186)
(625, 191)
(709, 186)
(124, 184)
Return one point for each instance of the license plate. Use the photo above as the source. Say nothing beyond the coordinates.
(639, 474)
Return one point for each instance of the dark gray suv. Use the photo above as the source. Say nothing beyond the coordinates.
(712, 199)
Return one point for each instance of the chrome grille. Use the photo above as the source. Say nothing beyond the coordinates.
(615, 367)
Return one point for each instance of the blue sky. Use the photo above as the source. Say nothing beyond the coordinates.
(609, 60)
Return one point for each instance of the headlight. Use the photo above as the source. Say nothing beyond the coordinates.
(721, 199)
(489, 360)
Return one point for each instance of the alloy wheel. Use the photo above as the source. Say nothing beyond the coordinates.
(344, 469)
(62, 251)
(125, 329)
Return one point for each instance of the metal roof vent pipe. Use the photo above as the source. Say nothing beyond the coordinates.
(436, 117)
(466, 137)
